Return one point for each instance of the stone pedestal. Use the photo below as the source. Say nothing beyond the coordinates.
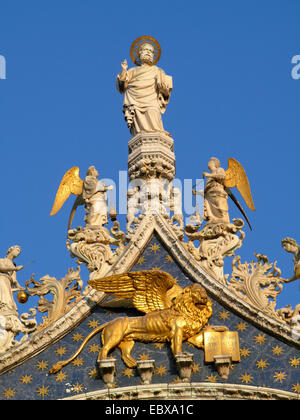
(107, 368)
(223, 364)
(184, 363)
(151, 170)
(145, 369)
(151, 156)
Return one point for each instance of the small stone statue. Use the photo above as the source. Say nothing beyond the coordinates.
(217, 189)
(90, 192)
(91, 243)
(10, 322)
(290, 245)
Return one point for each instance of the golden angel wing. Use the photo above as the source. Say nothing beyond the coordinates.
(150, 291)
(236, 177)
(70, 184)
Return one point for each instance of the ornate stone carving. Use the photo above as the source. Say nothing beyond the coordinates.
(147, 226)
(66, 293)
(188, 391)
(151, 168)
(258, 282)
(217, 241)
(93, 247)
(151, 156)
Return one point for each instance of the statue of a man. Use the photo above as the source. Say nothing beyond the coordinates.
(146, 90)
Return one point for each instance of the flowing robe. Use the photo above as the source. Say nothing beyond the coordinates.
(9, 318)
(7, 281)
(147, 92)
(94, 195)
(216, 201)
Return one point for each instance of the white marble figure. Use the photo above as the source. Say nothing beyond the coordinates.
(146, 90)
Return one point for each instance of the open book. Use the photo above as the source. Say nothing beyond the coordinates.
(221, 344)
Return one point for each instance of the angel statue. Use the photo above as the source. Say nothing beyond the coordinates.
(218, 239)
(91, 244)
(146, 87)
(217, 190)
(172, 315)
(91, 193)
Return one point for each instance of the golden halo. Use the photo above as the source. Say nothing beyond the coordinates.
(135, 48)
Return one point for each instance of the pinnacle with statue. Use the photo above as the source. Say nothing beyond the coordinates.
(166, 311)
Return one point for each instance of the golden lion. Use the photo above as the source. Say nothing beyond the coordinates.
(188, 312)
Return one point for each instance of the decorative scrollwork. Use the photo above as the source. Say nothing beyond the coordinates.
(66, 293)
(258, 282)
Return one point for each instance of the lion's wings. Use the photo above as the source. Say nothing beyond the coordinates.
(70, 184)
(150, 291)
(236, 177)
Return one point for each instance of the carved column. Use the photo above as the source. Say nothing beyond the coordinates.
(151, 169)
(151, 155)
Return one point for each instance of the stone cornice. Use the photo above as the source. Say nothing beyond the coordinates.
(190, 391)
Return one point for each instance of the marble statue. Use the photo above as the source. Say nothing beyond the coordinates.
(290, 245)
(94, 196)
(215, 196)
(90, 192)
(146, 90)
(217, 189)
(91, 244)
(10, 322)
(9, 284)
(218, 239)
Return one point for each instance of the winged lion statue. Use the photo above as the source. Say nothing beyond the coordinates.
(172, 314)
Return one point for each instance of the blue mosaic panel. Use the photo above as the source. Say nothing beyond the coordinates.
(265, 361)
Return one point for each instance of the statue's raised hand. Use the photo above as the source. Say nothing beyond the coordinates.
(124, 65)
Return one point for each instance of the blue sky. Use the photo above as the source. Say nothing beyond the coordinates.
(233, 97)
